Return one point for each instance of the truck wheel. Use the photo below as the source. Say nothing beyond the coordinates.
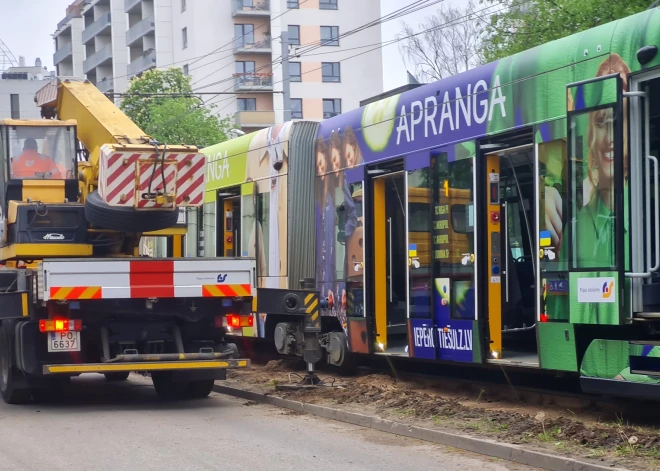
(102, 215)
(200, 388)
(117, 376)
(10, 393)
(167, 389)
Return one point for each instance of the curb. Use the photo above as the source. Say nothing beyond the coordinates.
(509, 452)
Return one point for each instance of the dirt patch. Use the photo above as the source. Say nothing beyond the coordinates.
(580, 432)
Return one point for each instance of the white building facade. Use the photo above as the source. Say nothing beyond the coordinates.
(18, 86)
(232, 49)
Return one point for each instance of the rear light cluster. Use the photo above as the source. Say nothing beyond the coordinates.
(235, 321)
(60, 325)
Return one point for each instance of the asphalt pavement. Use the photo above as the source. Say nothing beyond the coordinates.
(125, 426)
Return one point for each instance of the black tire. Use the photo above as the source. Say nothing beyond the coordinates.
(167, 389)
(102, 215)
(200, 388)
(8, 374)
(117, 376)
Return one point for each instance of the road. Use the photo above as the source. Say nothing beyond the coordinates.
(105, 426)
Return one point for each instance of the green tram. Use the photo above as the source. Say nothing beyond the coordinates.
(506, 215)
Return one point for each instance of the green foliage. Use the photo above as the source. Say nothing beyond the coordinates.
(173, 119)
(526, 24)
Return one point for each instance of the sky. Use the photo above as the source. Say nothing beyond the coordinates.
(27, 30)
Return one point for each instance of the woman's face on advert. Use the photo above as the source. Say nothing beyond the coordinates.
(336, 159)
(604, 146)
(349, 152)
(321, 165)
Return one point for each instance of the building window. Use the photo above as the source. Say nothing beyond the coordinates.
(245, 67)
(244, 34)
(14, 105)
(292, 4)
(296, 108)
(184, 37)
(185, 69)
(330, 35)
(328, 4)
(294, 35)
(331, 107)
(183, 5)
(330, 72)
(295, 74)
(247, 104)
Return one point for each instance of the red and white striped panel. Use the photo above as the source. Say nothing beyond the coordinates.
(151, 181)
(120, 178)
(150, 278)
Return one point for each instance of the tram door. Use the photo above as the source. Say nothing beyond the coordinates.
(390, 267)
(512, 263)
(228, 226)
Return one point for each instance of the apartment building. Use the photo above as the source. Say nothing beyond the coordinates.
(69, 54)
(232, 49)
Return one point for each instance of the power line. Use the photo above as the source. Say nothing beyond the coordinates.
(216, 51)
(455, 22)
(416, 6)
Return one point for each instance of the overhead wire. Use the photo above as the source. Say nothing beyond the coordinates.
(381, 45)
(454, 22)
(222, 48)
(416, 6)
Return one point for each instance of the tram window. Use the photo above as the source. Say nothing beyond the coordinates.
(553, 218)
(452, 216)
(594, 229)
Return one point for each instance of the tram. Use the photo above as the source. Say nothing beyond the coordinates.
(506, 215)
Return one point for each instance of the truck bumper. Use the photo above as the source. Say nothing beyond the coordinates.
(144, 366)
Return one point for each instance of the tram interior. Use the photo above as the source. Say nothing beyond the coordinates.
(519, 278)
(652, 296)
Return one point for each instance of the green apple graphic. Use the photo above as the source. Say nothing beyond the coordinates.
(378, 122)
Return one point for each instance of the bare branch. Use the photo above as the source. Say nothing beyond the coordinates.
(445, 44)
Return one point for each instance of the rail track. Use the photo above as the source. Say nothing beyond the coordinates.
(504, 383)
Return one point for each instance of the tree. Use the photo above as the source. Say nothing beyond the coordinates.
(444, 44)
(520, 25)
(176, 116)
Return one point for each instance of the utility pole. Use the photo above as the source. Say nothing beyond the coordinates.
(286, 78)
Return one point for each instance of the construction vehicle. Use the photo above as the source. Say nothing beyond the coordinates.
(79, 190)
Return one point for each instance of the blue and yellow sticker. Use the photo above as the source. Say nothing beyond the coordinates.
(545, 239)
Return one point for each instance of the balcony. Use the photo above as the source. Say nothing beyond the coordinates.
(100, 26)
(139, 30)
(145, 62)
(254, 119)
(243, 45)
(63, 53)
(252, 81)
(106, 85)
(100, 57)
(251, 8)
(130, 5)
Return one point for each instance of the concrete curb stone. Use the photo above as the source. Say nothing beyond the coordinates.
(506, 451)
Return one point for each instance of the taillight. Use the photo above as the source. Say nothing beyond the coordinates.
(60, 325)
(235, 321)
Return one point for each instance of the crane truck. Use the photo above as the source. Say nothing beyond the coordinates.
(80, 188)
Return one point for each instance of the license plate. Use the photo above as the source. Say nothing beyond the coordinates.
(64, 342)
